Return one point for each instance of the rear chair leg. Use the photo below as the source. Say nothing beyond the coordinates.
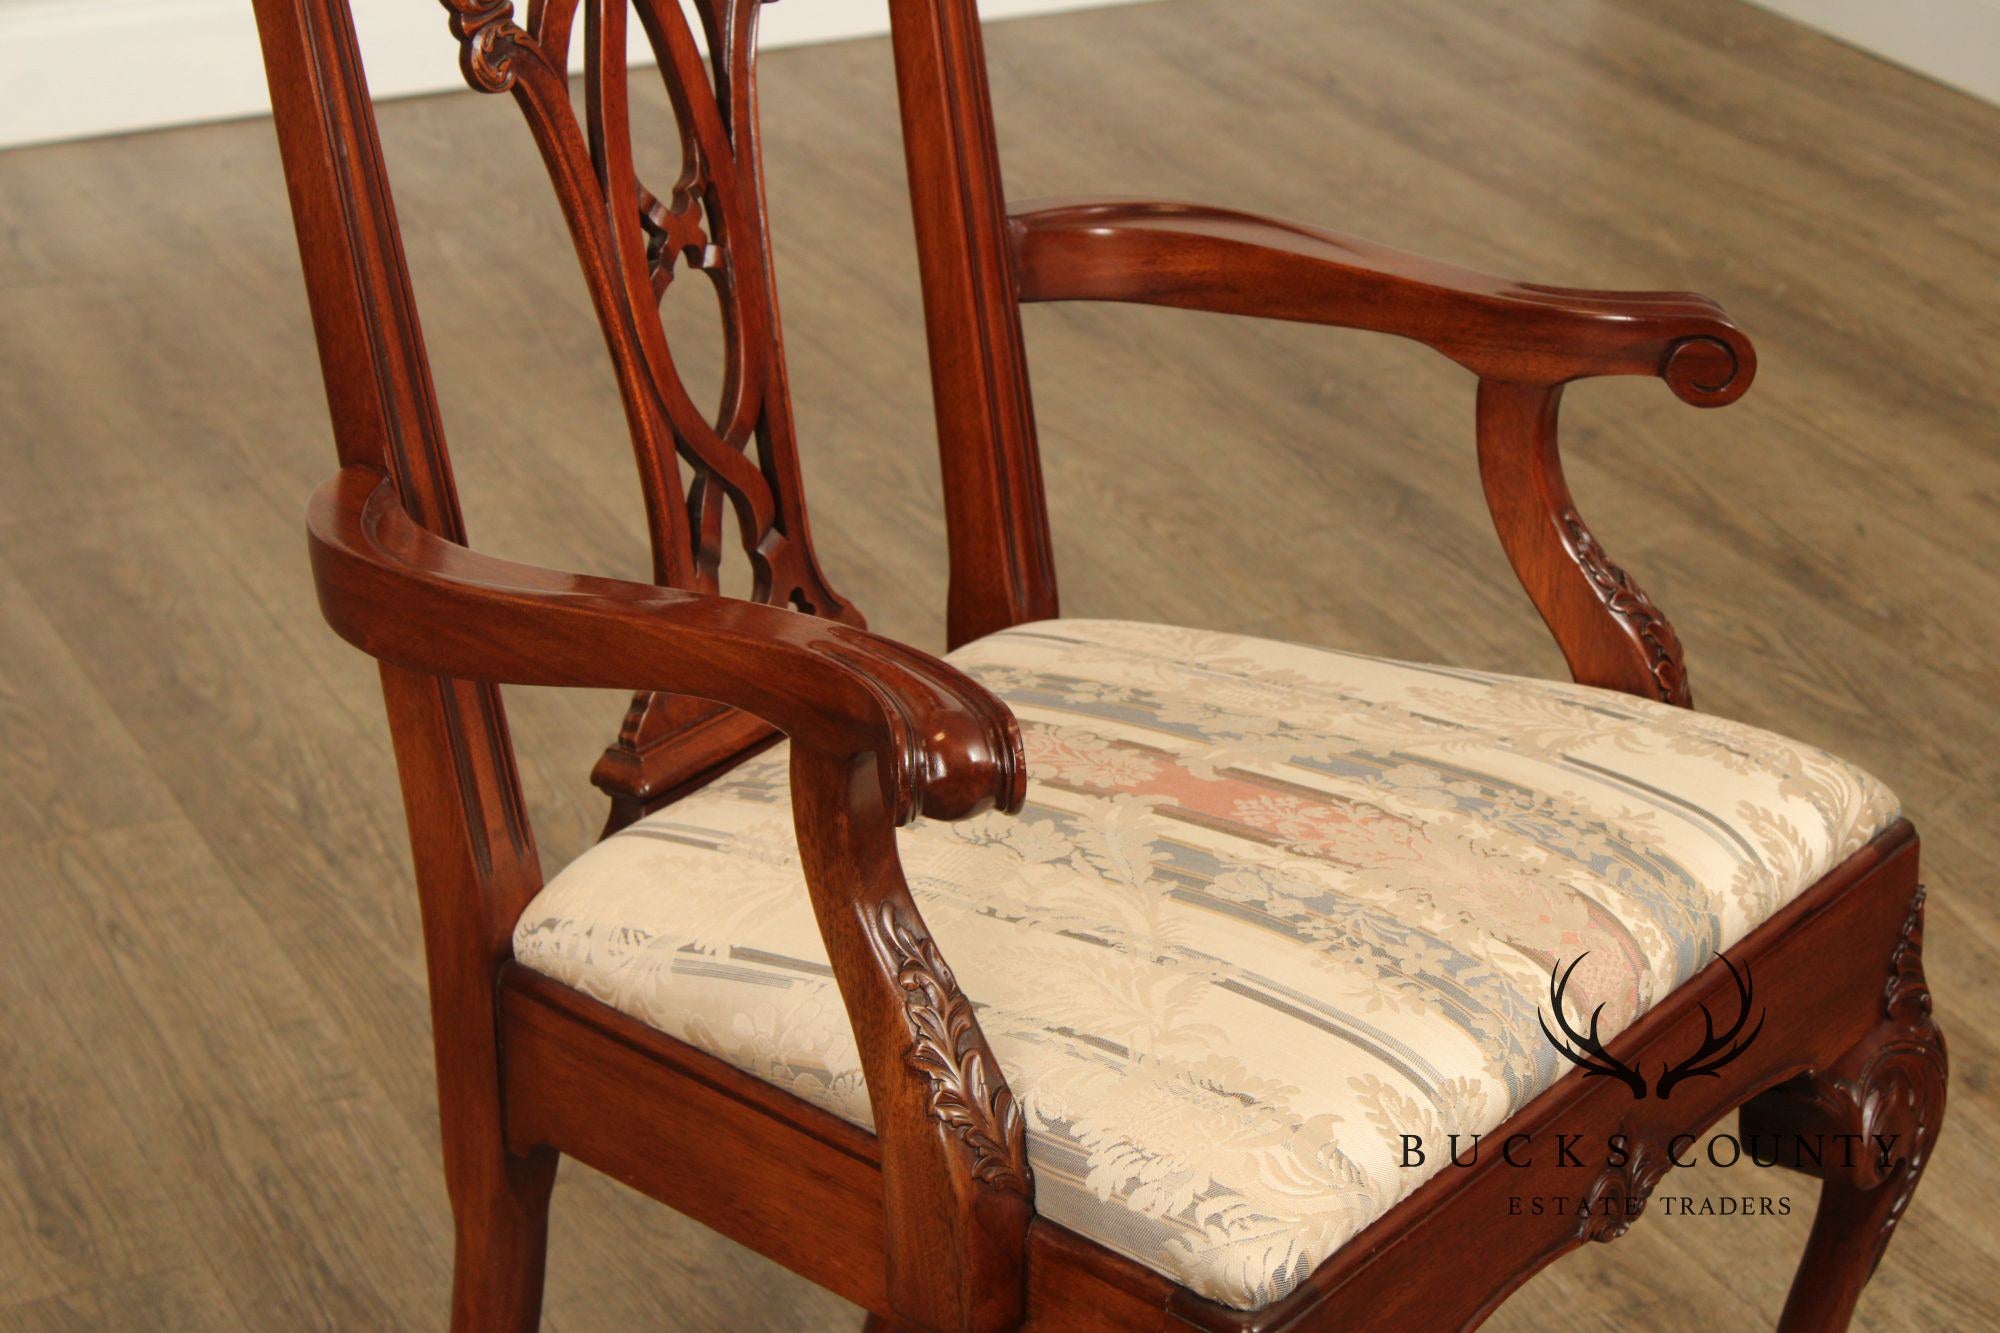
(501, 1218)
(1889, 1090)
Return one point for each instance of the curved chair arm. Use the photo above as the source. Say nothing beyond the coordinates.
(407, 596)
(1200, 258)
(1524, 341)
(879, 731)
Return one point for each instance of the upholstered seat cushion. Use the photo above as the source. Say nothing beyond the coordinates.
(1268, 908)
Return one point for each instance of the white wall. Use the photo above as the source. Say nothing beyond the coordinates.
(1954, 41)
(73, 68)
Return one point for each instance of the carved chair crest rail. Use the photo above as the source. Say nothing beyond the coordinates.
(919, 1168)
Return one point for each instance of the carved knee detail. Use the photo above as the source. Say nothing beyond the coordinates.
(1887, 1092)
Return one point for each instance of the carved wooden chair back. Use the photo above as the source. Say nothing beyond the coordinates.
(633, 239)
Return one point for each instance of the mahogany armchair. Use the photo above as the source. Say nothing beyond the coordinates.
(928, 1153)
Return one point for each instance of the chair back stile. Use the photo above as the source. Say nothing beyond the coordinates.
(473, 851)
(381, 400)
(996, 514)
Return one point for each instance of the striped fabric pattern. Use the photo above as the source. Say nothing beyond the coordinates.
(1269, 908)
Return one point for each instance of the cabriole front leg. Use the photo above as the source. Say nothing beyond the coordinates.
(1888, 1092)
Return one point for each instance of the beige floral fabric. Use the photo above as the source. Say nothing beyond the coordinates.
(1268, 908)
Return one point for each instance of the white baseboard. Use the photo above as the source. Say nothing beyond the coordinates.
(1956, 42)
(70, 69)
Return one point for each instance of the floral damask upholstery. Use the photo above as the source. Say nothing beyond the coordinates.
(1268, 908)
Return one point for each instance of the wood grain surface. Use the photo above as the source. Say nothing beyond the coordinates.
(217, 1108)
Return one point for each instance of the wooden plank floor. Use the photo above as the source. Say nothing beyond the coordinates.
(215, 1094)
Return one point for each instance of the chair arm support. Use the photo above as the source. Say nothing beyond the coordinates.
(1200, 258)
(1524, 342)
(406, 596)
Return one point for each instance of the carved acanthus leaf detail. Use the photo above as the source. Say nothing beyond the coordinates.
(968, 1094)
(1629, 603)
(1619, 1194)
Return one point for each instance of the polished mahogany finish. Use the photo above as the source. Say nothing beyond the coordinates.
(410, 598)
(879, 731)
(631, 243)
(929, 1222)
(1524, 341)
(1200, 258)
(997, 522)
